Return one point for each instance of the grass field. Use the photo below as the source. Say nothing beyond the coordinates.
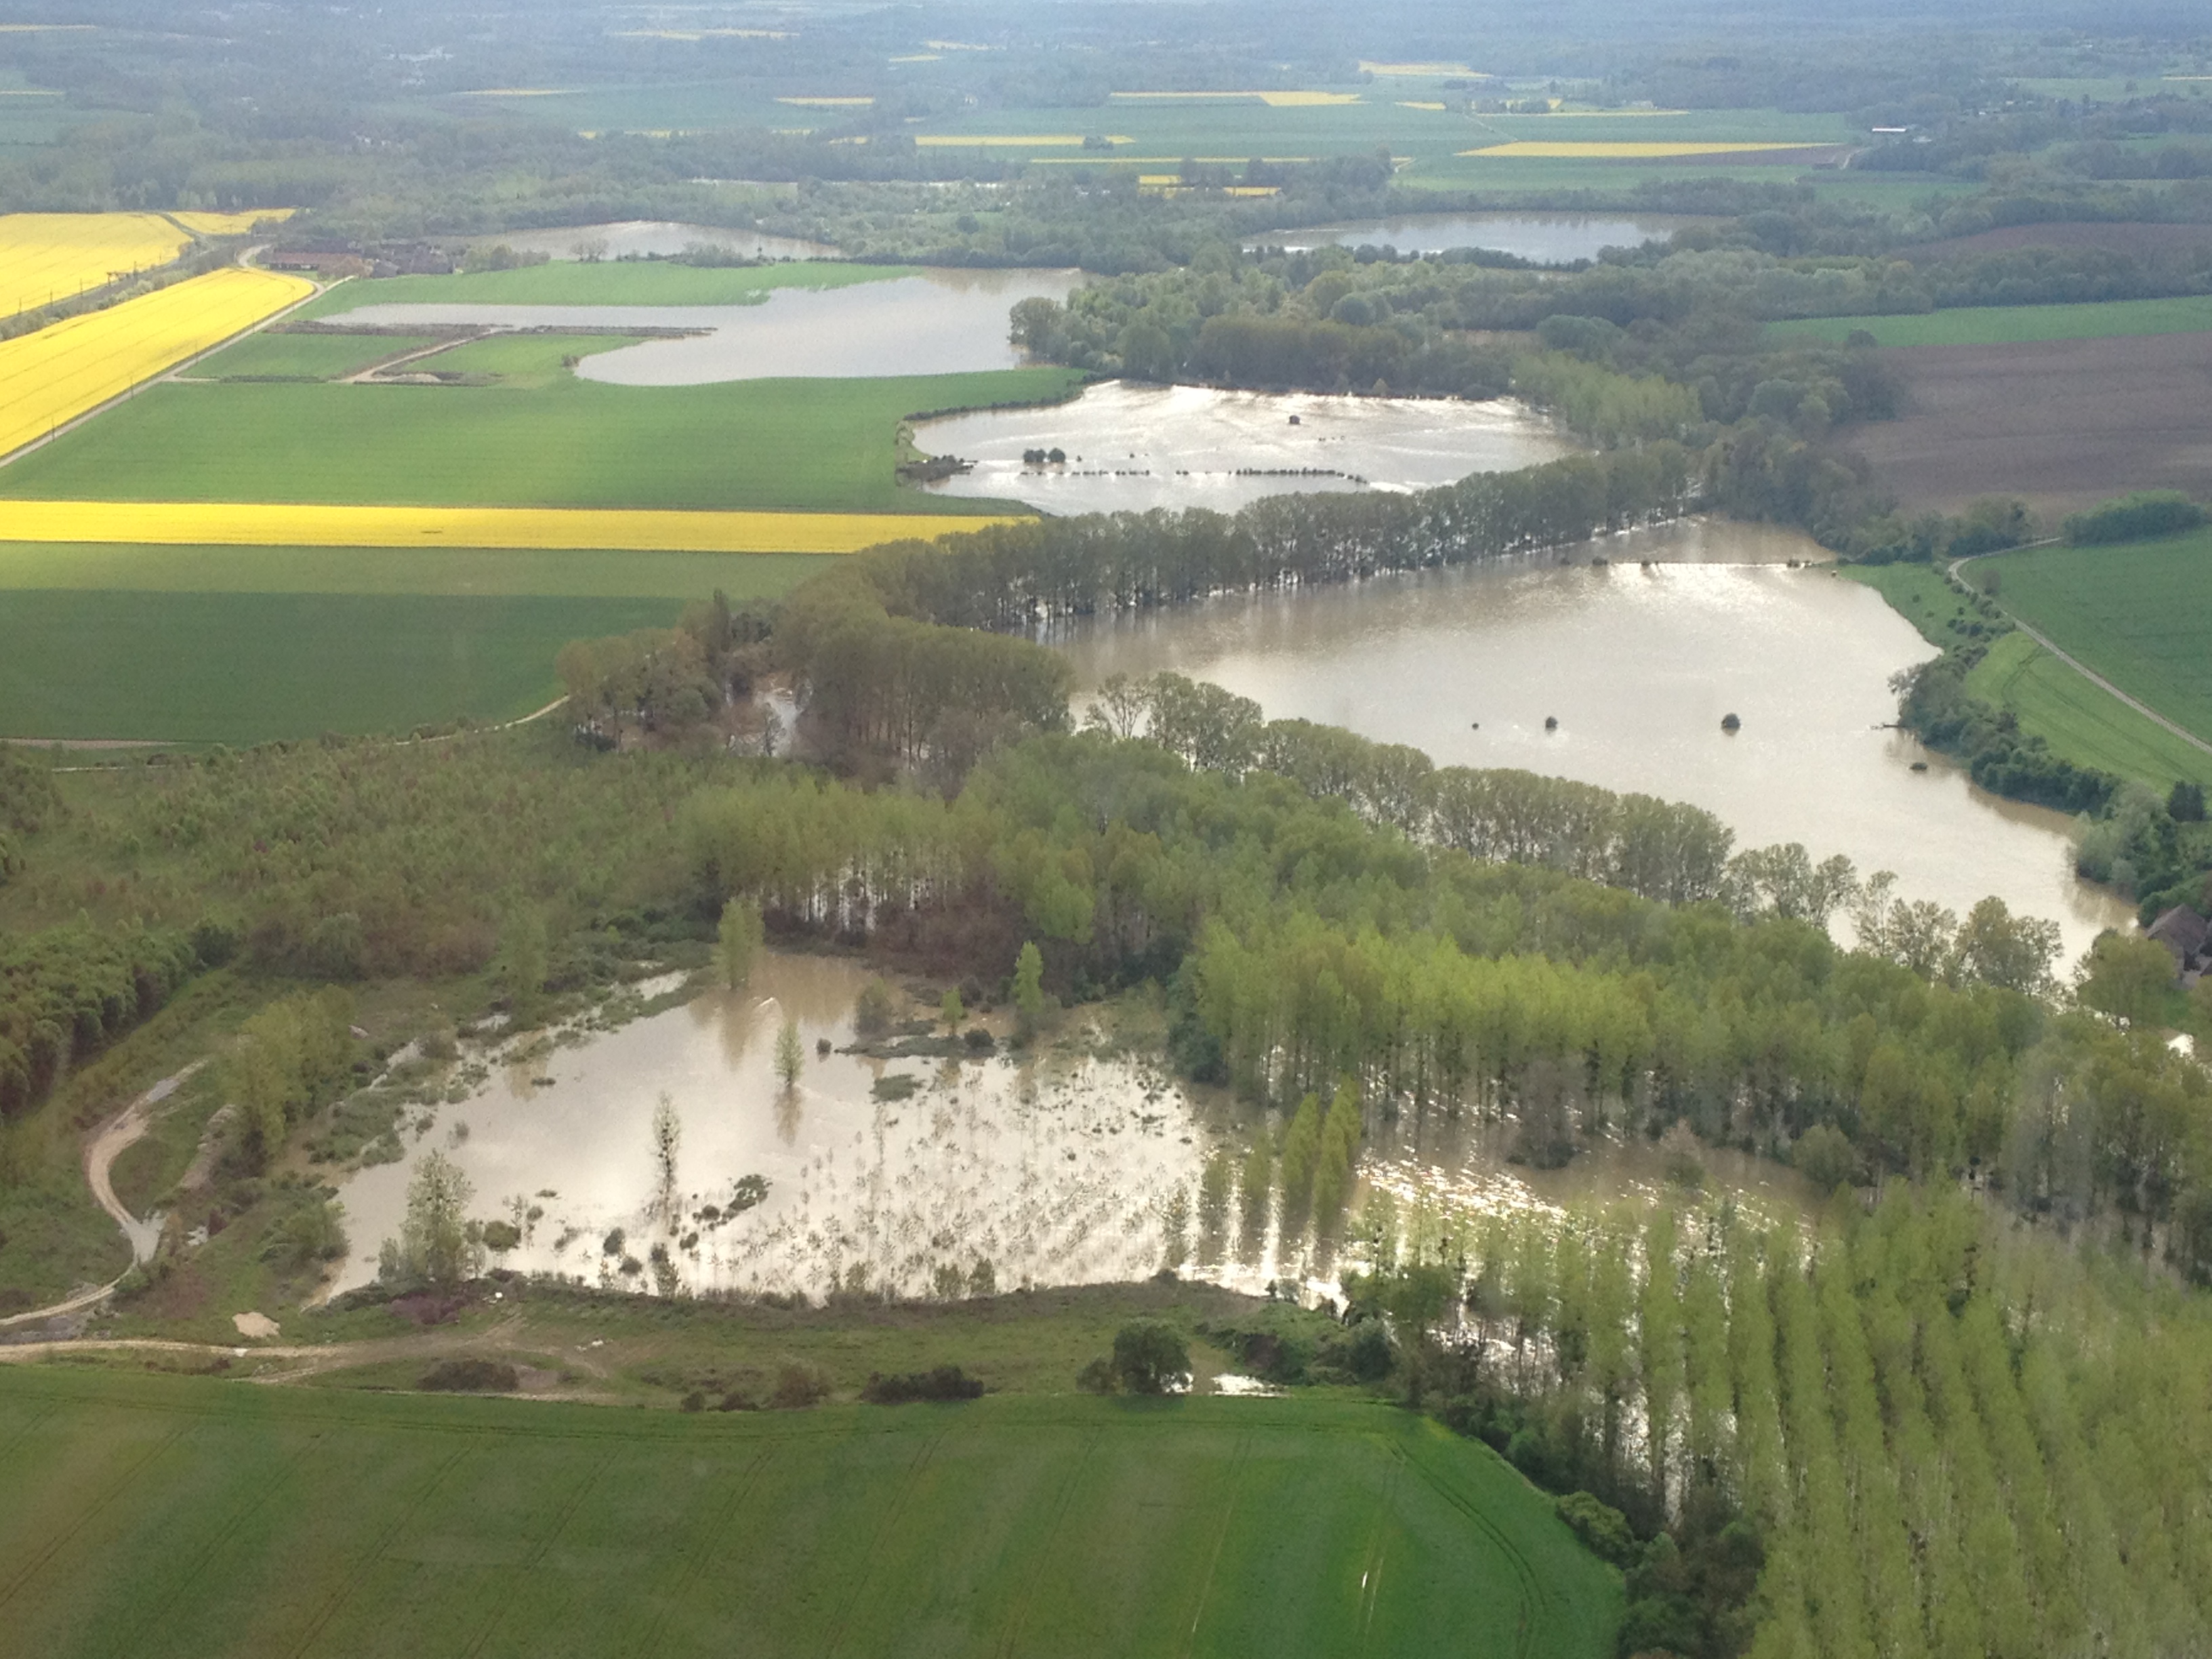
(533, 360)
(2081, 722)
(46, 257)
(158, 1516)
(57, 373)
(304, 356)
(2012, 325)
(795, 446)
(606, 283)
(2140, 615)
(243, 668)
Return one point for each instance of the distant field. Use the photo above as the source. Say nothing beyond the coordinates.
(172, 1517)
(46, 257)
(65, 370)
(304, 356)
(242, 668)
(778, 446)
(2082, 723)
(537, 359)
(606, 283)
(2012, 325)
(2141, 614)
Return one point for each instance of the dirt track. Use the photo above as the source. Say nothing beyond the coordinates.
(2063, 424)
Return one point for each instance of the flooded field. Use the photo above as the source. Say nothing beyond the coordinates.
(992, 1173)
(1131, 446)
(944, 322)
(642, 238)
(1638, 666)
(1546, 239)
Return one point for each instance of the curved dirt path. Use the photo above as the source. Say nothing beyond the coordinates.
(2081, 667)
(101, 1152)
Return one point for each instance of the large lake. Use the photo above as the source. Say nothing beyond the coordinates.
(1131, 448)
(942, 322)
(1546, 239)
(1638, 665)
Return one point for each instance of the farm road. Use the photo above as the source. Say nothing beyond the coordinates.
(2087, 673)
(106, 1145)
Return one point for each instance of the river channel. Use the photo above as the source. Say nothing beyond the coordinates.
(1638, 665)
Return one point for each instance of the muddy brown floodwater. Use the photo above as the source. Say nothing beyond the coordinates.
(1131, 447)
(1546, 239)
(653, 238)
(1073, 1169)
(1638, 665)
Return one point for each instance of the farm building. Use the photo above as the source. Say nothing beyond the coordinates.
(2189, 937)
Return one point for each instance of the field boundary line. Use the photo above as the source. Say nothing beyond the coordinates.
(892, 1515)
(31, 1569)
(1221, 1542)
(2075, 663)
(1021, 1618)
(514, 1580)
(1532, 1596)
(741, 1490)
(320, 1622)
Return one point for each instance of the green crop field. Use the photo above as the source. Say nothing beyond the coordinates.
(304, 356)
(534, 359)
(241, 668)
(2080, 721)
(170, 1515)
(602, 283)
(2012, 325)
(2140, 615)
(796, 446)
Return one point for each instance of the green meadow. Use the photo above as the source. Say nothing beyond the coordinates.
(2139, 614)
(304, 356)
(2012, 325)
(601, 283)
(788, 446)
(170, 1515)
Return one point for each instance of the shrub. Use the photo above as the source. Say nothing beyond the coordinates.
(799, 1385)
(469, 1376)
(2134, 517)
(945, 1383)
(1602, 1527)
(1149, 1356)
(1363, 1352)
(1824, 1155)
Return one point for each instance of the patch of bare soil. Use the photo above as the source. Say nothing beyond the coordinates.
(2063, 424)
(2132, 237)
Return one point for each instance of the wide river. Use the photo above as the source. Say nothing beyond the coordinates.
(1638, 665)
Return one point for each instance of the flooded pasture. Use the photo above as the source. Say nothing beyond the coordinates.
(991, 1173)
(943, 322)
(1131, 448)
(1544, 239)
(1637, 667)
(653, 239)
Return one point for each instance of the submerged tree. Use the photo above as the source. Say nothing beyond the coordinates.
(790, 1058)
(667, 1138)
(433, 1246)
(737, 941)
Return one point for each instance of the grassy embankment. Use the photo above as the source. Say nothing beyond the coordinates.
(384, 639)
(256, 1520)
(2082, 722)
(2011, 325)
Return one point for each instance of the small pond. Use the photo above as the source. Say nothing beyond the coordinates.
(1071, 1169)
(1545, 238)
(1638, 665)
(942, 322)
(642, 238)
(1131, 448)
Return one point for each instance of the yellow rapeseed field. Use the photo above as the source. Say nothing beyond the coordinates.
(57, 373)
(282, 524)
(1597, 150)
(44, 257)
(231, 224)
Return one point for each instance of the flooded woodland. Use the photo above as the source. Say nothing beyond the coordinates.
(1544, 239)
